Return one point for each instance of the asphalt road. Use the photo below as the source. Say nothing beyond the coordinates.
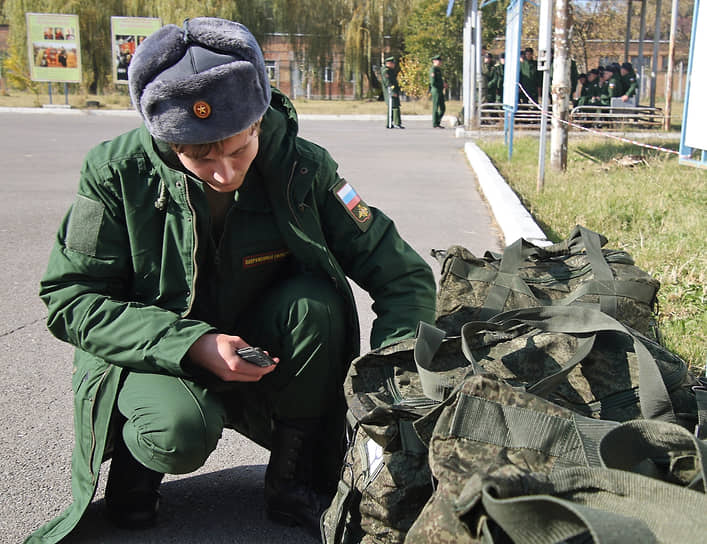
(418, 176)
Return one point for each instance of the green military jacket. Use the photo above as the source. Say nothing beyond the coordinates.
(497, 76)
(591, 92)
(436, 79)
(529, 78)
(121, 277)
(612, 89)
(389, 77)
(629, 84)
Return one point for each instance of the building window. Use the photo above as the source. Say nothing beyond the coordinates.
(271, 69)
(328, 74)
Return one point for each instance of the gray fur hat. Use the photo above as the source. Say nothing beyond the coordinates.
(200, 83)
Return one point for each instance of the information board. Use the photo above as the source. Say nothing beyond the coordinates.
(695, 135)
(514, 24)
(126, 34)
(54, 50)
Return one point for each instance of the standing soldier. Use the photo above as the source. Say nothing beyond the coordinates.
(488, 92)
(499, 72)
(437, 87)
(529, 75)
(391, 92)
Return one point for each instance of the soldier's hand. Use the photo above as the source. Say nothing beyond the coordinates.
(217, 354)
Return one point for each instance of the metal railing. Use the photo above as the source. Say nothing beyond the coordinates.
(491, 115)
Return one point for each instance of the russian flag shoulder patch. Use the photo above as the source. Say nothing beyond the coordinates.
(356, 208)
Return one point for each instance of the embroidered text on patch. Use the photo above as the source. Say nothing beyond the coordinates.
(251, 261)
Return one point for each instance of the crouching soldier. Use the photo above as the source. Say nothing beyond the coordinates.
(211, 228)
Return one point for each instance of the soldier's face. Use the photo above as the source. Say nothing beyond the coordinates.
(224, 170)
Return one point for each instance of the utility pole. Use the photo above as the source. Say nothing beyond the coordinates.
(641, 59)
(560, 87)
(544, 63)
(627, 40)
(656, 44)
(671, 60)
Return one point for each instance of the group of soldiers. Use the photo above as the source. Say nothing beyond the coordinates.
(597, 87)
(600, 85)
(391, 92)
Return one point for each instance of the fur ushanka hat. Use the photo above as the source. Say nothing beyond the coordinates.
(200, 83)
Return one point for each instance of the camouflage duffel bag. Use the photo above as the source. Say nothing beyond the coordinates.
(514, 468)
(575, 271)
(385, 479)
(584, 360)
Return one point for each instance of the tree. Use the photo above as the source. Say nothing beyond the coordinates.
(430, 32)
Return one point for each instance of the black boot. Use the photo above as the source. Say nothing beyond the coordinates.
(132, 496)
(289, 495)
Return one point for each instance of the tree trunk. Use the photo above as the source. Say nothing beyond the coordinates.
(560, 87)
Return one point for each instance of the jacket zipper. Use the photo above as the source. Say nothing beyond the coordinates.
(196, 247)
(93, 430)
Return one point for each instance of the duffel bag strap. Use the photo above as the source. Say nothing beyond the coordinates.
(653, 394)
(701, 398)
(609, 506)
(507, 279)
(428, 341)
(633, 443)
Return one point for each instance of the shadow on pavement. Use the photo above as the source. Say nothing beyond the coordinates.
(223, 506)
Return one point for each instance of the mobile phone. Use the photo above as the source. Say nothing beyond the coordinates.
(256, 356)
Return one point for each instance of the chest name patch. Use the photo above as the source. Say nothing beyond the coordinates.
(352, 203)
(269, 257)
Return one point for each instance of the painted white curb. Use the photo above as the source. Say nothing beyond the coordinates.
(512, 217)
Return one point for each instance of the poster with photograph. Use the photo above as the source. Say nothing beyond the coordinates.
(126, 34)
(54, 47)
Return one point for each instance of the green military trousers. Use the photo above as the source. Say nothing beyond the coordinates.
(438, 106)
(173, 424)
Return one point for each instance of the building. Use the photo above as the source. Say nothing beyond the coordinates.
(289, 71)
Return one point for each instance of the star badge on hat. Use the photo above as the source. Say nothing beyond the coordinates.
(201, 109)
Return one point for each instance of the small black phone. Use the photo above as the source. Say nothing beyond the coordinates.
(256, 356)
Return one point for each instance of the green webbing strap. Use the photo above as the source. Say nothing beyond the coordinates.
(653, 395)
(701, 399)
(629, 444)
(482, 420)
(547, 519)
(617, 288)
(429, 339)
(600, 268)
(410, 441)
(541, 387)
(506, 279)
(572, 245)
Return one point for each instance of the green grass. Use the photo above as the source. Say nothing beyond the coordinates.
(655, 210)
